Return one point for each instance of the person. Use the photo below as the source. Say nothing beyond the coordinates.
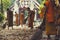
(30, 17)
(10, 18)
(50, 18)
(21, 18)
(16, 19)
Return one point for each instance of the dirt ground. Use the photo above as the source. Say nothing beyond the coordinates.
(16, 34)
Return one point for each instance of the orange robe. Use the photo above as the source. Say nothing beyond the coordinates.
(50, 12)
(50, 29)
(21, 18)
(17, 19)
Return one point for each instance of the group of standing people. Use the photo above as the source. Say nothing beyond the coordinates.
(21, 15)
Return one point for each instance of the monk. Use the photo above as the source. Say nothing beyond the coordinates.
(17, 23)
(50, 25)
(30, 17)
(21, 18)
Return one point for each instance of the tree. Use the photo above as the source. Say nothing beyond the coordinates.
(1, 17)
(6, 3)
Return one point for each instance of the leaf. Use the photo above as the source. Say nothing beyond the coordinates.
(7, 3)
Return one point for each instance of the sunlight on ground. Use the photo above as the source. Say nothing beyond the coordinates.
(25, 26)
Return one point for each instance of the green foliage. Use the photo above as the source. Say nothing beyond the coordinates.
(41, 6)
(1, 17)
(7, 3)
(39, 1)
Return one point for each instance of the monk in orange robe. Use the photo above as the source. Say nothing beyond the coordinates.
(21, 18)
(17, 23)
(30, 17)
(50, 27)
